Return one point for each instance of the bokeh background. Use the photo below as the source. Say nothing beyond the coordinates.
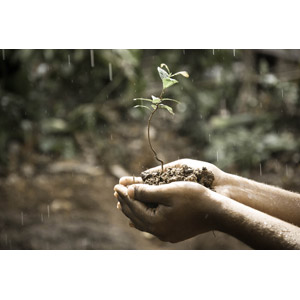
(68, 131)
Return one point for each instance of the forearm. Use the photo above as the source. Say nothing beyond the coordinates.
(274, 201)
(257, 229)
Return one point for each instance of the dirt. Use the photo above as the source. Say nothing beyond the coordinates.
(183, 173)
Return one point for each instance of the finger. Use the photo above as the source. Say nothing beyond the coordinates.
(119, 205)
(139, 209)
(151, 193)
(127, 180)
(136, 222)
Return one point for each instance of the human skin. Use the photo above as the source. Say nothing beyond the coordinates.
(186, 209)
(271, 200)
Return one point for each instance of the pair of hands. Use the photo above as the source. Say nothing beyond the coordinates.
(176, 211)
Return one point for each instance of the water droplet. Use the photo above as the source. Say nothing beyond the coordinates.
(286, 170)
(69, 59)
(92, 58)
(3, 54)
(183, 51)
(22, 218)
(260, 170)
(42, 218)
(110, 72)
(217, 155)
(282, 93)
(48, 210)
(233, 52)
(209, 137)
(213, 51)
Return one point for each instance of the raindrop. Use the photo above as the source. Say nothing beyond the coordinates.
(92, 58)
(233, 52)
(48, 210)
(217, 155)
(213, 51)
(42, 218)
(282, 93)
(3, 54)
(69, 59)
(183, 51)
(260, 170)
(209, 137)
(110, 72)
(286, 170)
(22, 218)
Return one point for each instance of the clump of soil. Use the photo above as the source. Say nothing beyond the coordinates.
(184, 173)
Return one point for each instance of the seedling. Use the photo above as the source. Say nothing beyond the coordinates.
(157, 103)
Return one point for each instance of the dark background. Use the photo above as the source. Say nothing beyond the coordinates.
(68, 131)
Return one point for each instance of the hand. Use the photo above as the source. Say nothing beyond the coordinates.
(184, 209)
(219, 185)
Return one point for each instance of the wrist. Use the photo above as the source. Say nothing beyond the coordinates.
(209, 208)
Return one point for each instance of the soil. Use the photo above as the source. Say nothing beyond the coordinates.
(184, 173)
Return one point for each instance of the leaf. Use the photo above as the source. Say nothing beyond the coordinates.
(183, 73)
(142, 99)
(142, 106)
(168, 99)
(168, 108)
(162, 73)
(154, 106)
(155, 100)
(167, 82)
(164, 65)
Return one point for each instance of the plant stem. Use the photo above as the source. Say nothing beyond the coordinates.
(149, 140)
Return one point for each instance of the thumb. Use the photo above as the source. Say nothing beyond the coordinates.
(150, 193)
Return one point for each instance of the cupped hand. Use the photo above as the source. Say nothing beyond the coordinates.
(182, 209)
(219, 184)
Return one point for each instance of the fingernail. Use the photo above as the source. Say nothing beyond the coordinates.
(118, 205)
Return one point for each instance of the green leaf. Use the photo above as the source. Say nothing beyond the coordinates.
(142, 99)
(167, 82)
(164, 65)
(142, 106)
(162, 73)
(168, 99)
(183, 73)
(155, 100)
(168, 108)
(154, 106)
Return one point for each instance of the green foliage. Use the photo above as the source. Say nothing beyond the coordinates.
(167, 81)
(157, 102)
(245, 107)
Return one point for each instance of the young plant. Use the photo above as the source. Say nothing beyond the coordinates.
(157, 103)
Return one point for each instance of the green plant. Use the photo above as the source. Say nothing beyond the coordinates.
(157, 103)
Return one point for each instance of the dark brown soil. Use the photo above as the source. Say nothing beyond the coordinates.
(184, 173)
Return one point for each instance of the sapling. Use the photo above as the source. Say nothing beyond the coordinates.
(157, 103)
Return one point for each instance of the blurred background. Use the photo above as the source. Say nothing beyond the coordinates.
(68, 131)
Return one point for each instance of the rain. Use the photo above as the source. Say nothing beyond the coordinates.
(92, 58)
(71, 131)
(110, 73)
